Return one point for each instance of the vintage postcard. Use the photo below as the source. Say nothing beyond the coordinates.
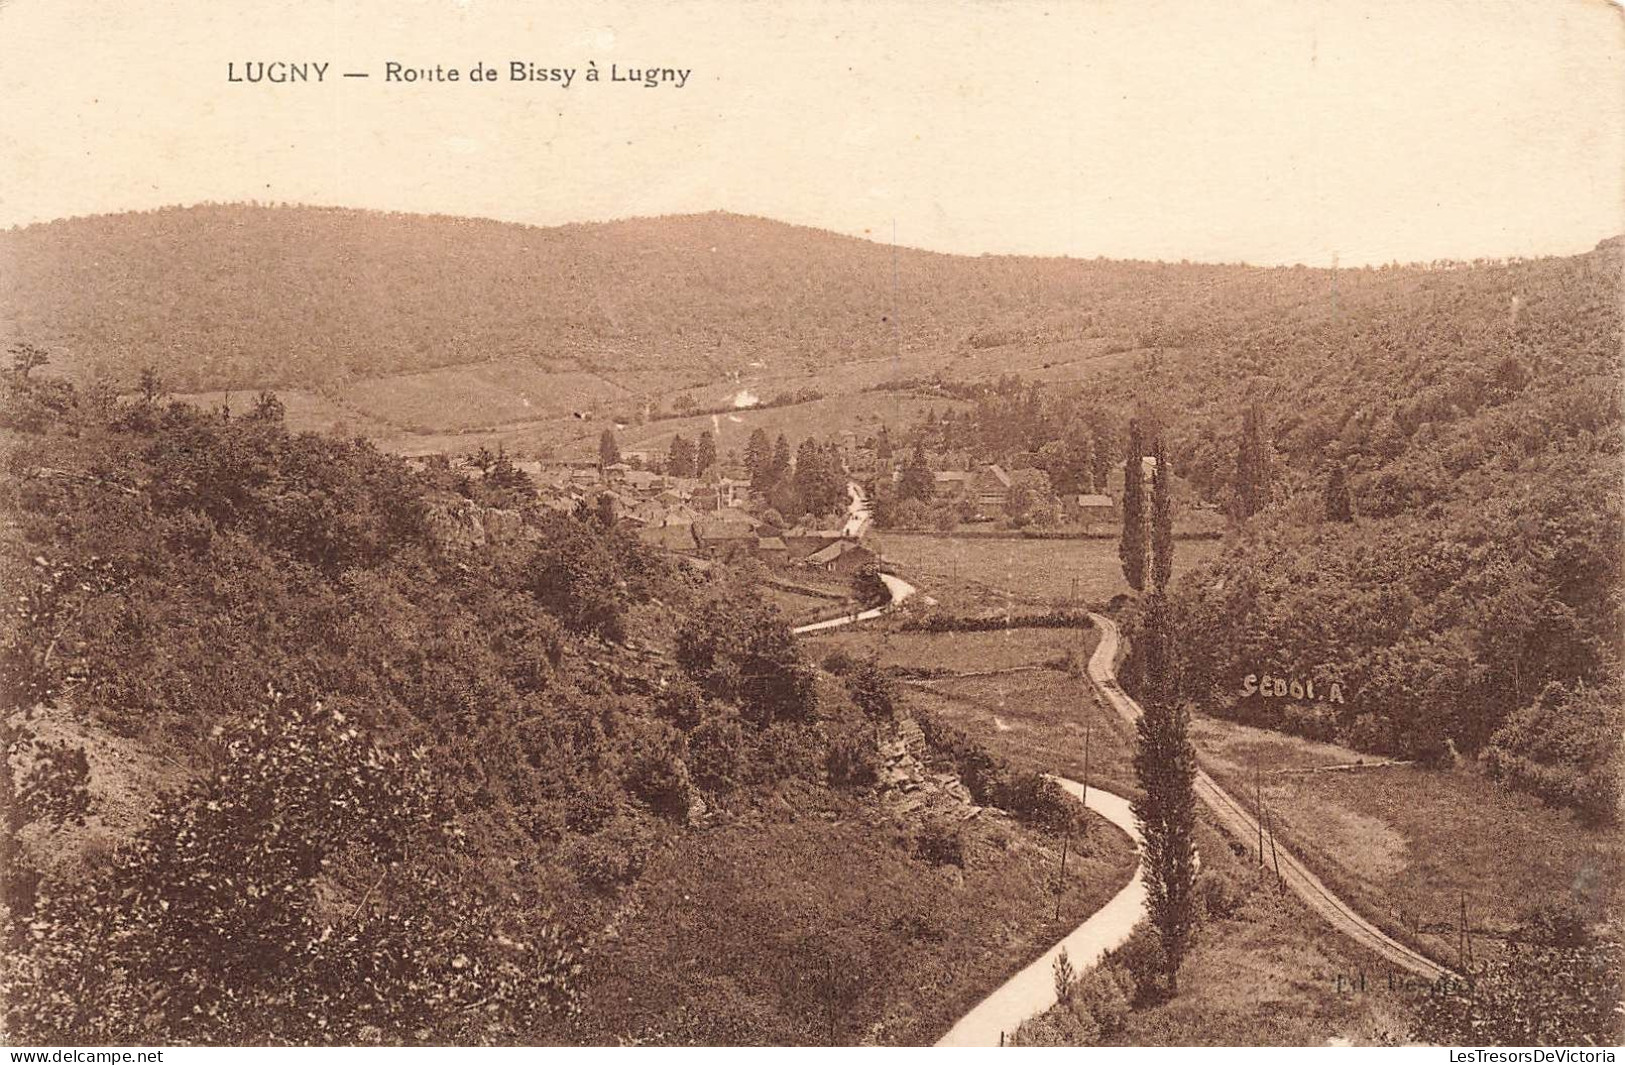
(812, 523)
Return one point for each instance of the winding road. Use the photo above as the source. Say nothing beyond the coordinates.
(1242, 825)
(1032, 990)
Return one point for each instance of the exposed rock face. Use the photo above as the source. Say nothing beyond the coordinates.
(911, 787)
(460, 525)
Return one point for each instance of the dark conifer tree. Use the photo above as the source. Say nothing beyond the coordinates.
(609, 452)
(1162, 521)
(780, 468)
(1165, 766)
(1132, 547)
(680, 460)
(1339, 500)
(759, 459)
(918, 481)
(705, 454)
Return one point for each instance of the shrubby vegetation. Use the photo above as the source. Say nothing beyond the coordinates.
(410, 768)
(1557, 983)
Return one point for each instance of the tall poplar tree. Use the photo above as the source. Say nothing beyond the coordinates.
(1132, 548)
(1165, 766)
(1162, 520)
(1252, 483)
(609, 452)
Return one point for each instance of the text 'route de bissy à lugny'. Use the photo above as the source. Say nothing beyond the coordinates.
(300, 72)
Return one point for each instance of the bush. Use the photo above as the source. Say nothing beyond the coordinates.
(1037, 799)
(788, 750)
(940, 844)
(682, 703)
(1140, 959)
(1566, 748)
(873, 691)
(1101, 997)
(654, 771)
(1219, 895)
(852, 760)
(941, 621)
(840, 662)
(612, 858)
(716, 753)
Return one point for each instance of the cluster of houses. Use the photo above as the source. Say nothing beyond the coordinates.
(990, 489)
(709, 517)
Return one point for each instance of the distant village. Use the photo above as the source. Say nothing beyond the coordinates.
(726, 513)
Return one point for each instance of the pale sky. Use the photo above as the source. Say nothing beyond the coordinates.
(1260, 131)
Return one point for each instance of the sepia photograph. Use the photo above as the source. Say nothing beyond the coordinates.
(808, 523)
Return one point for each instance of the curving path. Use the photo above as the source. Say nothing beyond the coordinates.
(1239, 823)
(897, 586)
(1032, 990)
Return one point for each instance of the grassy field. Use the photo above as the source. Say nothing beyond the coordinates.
(479, 395)
(967, 573)
(961, 652)
(1269, 974)
(1407, 844)
(745, 933)
(1035, 719)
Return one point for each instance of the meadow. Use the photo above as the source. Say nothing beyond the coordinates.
(966, 571)
(1408, 845)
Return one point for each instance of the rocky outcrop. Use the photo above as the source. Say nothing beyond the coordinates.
(460, 525)
(910, 786)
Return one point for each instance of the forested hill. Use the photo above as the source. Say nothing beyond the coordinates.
(245, 296)
(1431, 516)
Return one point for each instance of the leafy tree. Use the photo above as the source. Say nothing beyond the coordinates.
(918, 481)
(1162, 520)
(737, 647)
(1555, 984)
(1165, 767)
(609, 452)
(574, 575)
(1566, 746)
(26, 358)
(214, 926)
(1132, 547)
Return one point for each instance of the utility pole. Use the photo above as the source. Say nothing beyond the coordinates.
(1279, 883)
(1464, 948)
(1060, 881)
(1258, 810)
(1088, 730)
